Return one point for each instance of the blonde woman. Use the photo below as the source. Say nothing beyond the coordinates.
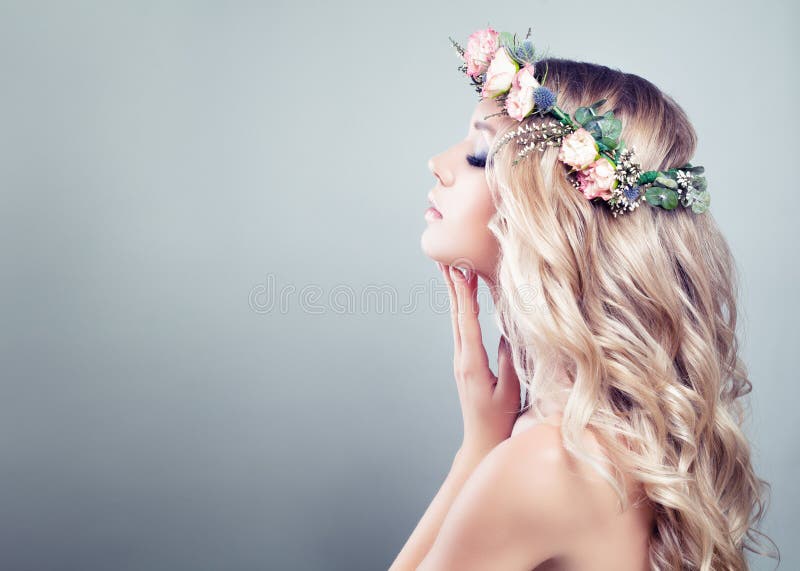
(626, 451)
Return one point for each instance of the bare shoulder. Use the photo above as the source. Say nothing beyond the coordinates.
(526, 501)
(560, 491)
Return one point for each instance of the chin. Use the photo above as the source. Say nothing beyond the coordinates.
(439, 246)
(434, 247)
(426, 242)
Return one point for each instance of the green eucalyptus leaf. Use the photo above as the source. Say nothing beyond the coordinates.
(583, 115)
(596, 105)
(594, 128)
(609, 142)
(506, 39)
(699, 182)
(697, 170)
(654, 195)
(670, 199)
(701, 204)
(667, 182)
(611, 127)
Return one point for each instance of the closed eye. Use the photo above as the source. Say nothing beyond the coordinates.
(477, 160)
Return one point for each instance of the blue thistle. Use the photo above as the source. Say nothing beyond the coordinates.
(543, 98)
(631, 192)
(524, 52)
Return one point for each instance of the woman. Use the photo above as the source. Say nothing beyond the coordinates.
(618, 322)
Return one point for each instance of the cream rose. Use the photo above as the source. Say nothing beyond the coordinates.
(500, 74)
(578, 149)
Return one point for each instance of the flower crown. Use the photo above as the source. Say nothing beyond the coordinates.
(501, 68)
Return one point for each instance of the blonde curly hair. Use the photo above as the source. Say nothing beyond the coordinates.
(640, 311)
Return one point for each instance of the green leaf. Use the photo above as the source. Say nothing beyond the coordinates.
(594, 128)
(611, 127)
(699, 182)
(667, 182)
(670, 199)
(647, 177)
(701, 204)
(596, 105)
(609, 142)
(506, 39)
(697, 170)
(654, 194)
(601, 146)
(583, 115)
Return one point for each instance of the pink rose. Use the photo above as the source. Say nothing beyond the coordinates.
(519, 101)
(578, 149)
(500, 74)
(481, 46)
(597, 179)
(525, 78)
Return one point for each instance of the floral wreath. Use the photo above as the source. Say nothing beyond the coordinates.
(602, 168)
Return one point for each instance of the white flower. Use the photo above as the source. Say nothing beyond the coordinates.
(500, 74)
(578, 149)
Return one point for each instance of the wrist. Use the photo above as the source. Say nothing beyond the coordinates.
(468, 458)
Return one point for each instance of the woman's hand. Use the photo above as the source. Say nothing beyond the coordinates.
(489, 403)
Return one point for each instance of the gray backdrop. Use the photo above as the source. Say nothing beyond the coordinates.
(171, 170)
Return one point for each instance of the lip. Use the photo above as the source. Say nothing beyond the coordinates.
(432, 214)
(434, 206)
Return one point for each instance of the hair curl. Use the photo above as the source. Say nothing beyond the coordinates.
(640, 312)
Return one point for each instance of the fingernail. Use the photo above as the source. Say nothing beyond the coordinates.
(469, 275)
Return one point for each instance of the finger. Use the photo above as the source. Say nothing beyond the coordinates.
(453, 309)
(473, 353)
(507, 379)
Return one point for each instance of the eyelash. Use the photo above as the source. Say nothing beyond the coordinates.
(477, 160)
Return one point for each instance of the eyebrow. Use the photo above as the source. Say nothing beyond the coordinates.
(484, 125)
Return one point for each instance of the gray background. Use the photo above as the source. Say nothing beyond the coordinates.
(163, 163)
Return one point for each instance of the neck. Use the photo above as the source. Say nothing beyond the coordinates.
(491, 283)
(549, 404)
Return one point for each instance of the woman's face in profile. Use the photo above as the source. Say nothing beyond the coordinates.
(457, 230)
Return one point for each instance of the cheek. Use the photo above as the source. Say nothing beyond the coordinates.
(476, 209)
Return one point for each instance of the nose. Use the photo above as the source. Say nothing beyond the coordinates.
(444, 175)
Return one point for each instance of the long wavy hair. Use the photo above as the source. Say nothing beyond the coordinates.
(640, 313)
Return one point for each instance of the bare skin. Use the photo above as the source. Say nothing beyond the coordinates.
(514, 500)
(620, 542)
